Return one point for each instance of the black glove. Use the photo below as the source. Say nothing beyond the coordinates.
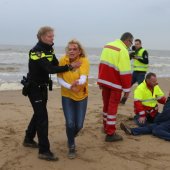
(131, 54)
(123, 100)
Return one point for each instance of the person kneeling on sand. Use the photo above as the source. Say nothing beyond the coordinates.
(160, 127)
(146, 98)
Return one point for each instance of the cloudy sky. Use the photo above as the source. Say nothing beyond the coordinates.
(92, 22)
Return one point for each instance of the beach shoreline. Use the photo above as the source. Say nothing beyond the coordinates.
(134, 152)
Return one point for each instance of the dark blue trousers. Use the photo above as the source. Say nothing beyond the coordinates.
(138, 77)
(74, 112)
(160, 130)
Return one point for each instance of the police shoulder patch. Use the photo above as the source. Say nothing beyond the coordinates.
(38, 53)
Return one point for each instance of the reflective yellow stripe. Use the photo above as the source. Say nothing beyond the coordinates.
(34, 56)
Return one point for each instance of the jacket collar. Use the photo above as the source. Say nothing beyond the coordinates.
(45, 46)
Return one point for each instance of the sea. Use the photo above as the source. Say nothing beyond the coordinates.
(14, 63)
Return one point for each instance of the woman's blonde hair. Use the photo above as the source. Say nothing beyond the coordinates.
(74, 41)
(43, 31)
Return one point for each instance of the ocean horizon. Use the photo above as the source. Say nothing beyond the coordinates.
(14, 63)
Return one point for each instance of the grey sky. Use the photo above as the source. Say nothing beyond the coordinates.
(92, 22)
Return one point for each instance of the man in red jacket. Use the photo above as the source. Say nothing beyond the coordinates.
(113, 78)
(146, 98)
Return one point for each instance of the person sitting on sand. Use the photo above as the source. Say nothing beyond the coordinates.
(147, 95)
(160, 127)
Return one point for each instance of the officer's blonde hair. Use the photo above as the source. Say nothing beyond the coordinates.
(74, 41)
(43, 31)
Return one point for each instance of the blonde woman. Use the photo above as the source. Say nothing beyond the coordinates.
(74, 91)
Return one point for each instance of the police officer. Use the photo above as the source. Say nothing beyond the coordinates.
(139, 66)
(42, 62)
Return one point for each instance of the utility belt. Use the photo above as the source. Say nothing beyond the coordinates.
(34, 84)
(28, 84)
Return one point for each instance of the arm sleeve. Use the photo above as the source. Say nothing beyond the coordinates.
(138, 106)
(64, 83)
(82, 79)
(162, 100)
(144, 59)
(139, 109)
(50, 68)
(124, 67)
(84, 71)
(160, 95)
(55, 61)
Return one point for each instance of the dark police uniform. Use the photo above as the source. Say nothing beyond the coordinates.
(42, 62)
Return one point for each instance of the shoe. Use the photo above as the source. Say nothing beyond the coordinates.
(76, 134)
(71, 153)
(126, 129)
(113, 138)
(49, 156)
(30, 143)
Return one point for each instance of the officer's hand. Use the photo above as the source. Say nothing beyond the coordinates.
(76, 64)
(142, 120)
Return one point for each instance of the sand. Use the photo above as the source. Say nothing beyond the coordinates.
(133, 153)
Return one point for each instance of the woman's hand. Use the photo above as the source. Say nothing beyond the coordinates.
(74, 86)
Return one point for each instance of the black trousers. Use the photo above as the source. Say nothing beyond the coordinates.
(39, 122)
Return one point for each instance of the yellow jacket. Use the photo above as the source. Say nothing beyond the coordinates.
(115, 68)
(143, 93)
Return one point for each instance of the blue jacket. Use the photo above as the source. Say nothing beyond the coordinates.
(165, 115)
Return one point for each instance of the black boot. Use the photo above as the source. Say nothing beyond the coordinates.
(30, 143)
(71, 153)
(49, 156)
(113, 138)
